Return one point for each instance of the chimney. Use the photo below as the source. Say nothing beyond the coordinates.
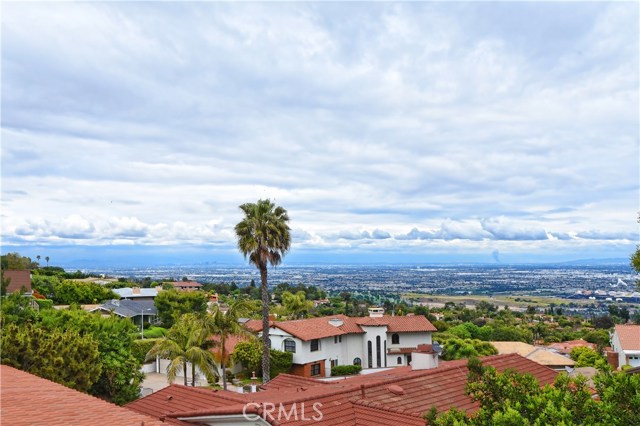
(425, 357)
(376, 312)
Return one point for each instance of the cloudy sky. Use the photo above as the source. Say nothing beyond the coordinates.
(422, 131)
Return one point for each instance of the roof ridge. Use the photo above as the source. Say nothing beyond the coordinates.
(379, 406)
(209, 392)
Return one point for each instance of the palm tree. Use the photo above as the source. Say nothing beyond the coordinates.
(225, 325)
(264, 236)
(47, 259)
(38, 257)
(187, 341)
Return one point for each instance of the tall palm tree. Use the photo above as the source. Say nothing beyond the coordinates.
(186, 342)
(226, 325)
(47, 259)
(264, 237)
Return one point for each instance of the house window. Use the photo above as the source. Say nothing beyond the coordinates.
(334, 363)
(290, 346)
(370, 354)
(315, 369)
(315, 345)
(339, 339)
(399, 360)
(335, 339)
(357, 361)
(395, 339)
(270, 344)
(378, 357)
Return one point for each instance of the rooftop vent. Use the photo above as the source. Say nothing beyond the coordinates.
(336, 322)
(396, 390)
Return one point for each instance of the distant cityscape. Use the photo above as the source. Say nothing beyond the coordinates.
(591, 282)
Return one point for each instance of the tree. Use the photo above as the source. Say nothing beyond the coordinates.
(38, 257)
(63, 356)
(186, 342)
(47, 259)
(584, 356)
(172, 304)
(225, 325)
(264, 237)
(16, 261)
(296, 305)
(120, 378)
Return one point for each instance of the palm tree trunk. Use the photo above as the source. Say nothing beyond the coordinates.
(266, 367)
(184, 369)
(224, 375)
(193, 374)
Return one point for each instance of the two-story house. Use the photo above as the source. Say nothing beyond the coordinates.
(625, 341)
(376, 341)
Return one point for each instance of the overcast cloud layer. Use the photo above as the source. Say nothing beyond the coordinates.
(394, 127)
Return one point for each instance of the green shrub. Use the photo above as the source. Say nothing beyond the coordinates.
(141, 347)
(345, 370)
(154, 332)
(44, 303)
(281, 362)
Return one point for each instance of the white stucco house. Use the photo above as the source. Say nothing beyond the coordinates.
(625, 341)
(375, 341)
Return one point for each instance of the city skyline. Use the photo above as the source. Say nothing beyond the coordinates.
(423, 132)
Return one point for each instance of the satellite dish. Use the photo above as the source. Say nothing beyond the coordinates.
(437, 348)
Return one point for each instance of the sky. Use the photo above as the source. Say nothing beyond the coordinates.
(391, 132)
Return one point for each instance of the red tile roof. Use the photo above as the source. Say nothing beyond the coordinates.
(186, 284)
(18, 278)
(291, 381)
(319, 328)
(396, 396)
(629, 336)
(31, 400)
(567, 347)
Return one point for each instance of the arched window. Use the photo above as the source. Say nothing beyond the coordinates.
(399, 360)
(270, 344)
(369, 354)
(357, 361)
(395, 339)
(290, 345)
(378, 349)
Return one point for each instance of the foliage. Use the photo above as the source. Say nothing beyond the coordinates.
(187, 341)
(15, 261)
(44, 303)
(603, 322)
(69, 292)
(599, 337)
(154, 332)
(509, 398)
(15, 309)
(587, 357)
(225, 325)
(172, 304)
(296, 305)
(65, 357)
(456, 348)
(281, 362)
(120, 378)
(141, 348)
(264, 237)
(345, 370)
(249, 354)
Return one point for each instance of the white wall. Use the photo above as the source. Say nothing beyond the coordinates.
(370, 335)
(407, 340)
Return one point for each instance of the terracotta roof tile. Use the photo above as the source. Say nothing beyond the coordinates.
(319, 328)
(629, 336)
(567, 347)
(57, 405)
(18, 278)
(366, 400)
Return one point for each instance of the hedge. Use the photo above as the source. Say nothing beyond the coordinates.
(345, 370)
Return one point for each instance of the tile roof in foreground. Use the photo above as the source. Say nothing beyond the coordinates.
(337, 325)
(29, 400)
(629, 336)
(395, 396)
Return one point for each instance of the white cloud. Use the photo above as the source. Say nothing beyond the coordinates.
(390, 125)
